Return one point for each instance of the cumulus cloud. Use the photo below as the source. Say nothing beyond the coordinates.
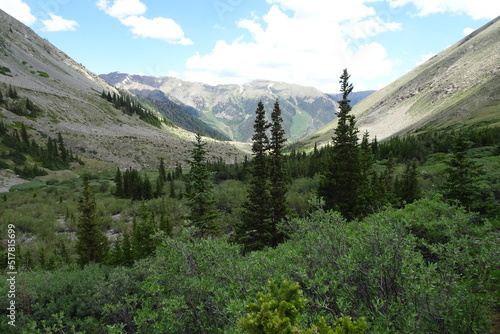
(468, 31)
(305, 47)
(477, 9)
(129, 12)
(57, 23)
(157, 28)
(19, 10)
(120, 9)
(369, 27)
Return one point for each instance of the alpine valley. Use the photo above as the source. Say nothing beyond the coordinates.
(141, 204)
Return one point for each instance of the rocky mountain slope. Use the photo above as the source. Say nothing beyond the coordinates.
(231, 108)
(69, 97)
(460, 85)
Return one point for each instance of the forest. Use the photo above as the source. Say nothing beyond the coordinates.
(360, 236)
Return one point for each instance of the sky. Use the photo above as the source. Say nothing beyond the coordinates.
(305, 42)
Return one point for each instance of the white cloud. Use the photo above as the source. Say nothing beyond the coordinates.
(158, 28)
(468, 31)
(369, 27)
(307, 48)
(477, 9)
(120, 9)
(19, 10)
(57, 23)
(129, 13)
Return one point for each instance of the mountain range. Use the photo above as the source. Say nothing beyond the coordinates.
(457, 86)
(231, 108)
(69, 98)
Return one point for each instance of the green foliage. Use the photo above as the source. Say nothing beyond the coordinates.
(343, 181)
(257, 230)
(92, 244)
(5, 71)
(279, 310)
(199, 191)
(461, 184)
(130, 106)
(277, 173)
(275, 312)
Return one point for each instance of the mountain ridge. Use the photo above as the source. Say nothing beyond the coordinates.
(231, 107)
(69, 97)
(457, 86)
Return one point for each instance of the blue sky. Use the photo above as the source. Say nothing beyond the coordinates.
(236, 41)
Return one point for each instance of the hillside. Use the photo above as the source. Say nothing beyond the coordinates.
(231, 108)
(68, 97)
(457, 86)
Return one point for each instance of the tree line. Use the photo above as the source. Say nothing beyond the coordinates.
(52, 155)
(131, 107)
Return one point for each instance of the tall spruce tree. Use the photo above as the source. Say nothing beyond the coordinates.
(342, 179)
(257, 230)
(91, 245)
(463, 173)
(199, 190)
(277, 173)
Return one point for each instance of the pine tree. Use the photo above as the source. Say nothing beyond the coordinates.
(119, 184)
(257, 230)
(91, 245)
(147, 189)
(342, 180)
(199, 190)
(162, 172)
(277, 174)
(409, 189)
(62, 148)
(143, 231)
(463, 173)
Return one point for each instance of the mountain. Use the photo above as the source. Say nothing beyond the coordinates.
(458, 86)
(354, 97)
(68, 98)
(231, 108)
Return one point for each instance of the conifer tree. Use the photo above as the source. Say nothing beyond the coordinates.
(277, 173)
(119, 184)
(143, 231)
(463, 173)
(1, 98)
(256, 230)
(409, 189)
(199, 190)
(62, 148)
(162, 172)
(342, 180)
(91, 245)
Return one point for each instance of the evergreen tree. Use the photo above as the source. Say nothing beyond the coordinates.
(409, 189)
(1, 98)
(257, 230)
(463, 173)
(62, 148)
(119, 192)
(162, 172)
(143, 231)
(277, 174)
(91, 245)
(12, 93)
(147, 189)
(342, 181)
(199, 190)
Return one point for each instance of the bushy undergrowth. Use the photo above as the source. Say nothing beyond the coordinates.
(421, 269)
